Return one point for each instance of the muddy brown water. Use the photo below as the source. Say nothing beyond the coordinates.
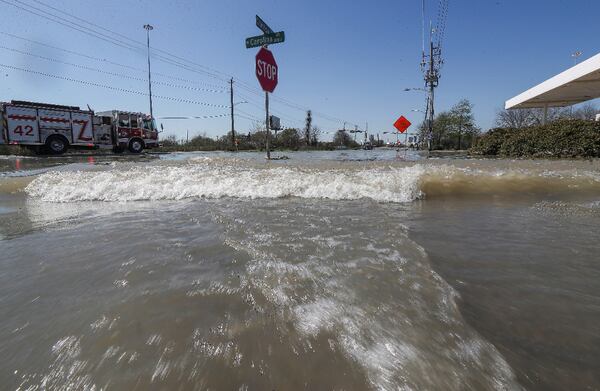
(345, 270)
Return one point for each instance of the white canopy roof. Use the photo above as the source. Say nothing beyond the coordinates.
(575, 85)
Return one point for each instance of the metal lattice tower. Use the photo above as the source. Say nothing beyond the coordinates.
(431, 64)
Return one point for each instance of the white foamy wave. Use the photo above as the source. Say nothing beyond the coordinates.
(210, 181)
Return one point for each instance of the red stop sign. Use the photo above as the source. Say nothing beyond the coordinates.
(266, 70)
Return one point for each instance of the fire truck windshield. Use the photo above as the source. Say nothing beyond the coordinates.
(149, 124)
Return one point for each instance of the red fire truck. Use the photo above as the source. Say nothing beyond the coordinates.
(54, 128)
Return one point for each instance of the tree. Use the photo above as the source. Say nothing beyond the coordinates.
(454, 129)
(522, 118)
(170, 141)
(342, 138)
(515, 118)
(552, 114)
(462, 123)
(441, 127)
(587, 112)
(289, 138)
(315, 135)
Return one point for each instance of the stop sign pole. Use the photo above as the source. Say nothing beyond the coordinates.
(267, 125)
(267, 71)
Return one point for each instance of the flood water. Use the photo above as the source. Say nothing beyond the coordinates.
(346, 270)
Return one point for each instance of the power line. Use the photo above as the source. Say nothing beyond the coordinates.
(253, 119)
(295, 106)
(139, 46)
(93, 84)
(105, 61)
(110, 73)
(70, 24)
(442, 15)
(214, 71)
(278, 113)
(249, 115)
(195, 117)
(88, 31)
(69, 51)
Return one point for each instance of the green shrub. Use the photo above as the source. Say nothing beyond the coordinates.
(562, 138)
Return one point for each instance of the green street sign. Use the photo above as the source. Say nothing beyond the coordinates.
(266, 39)
(263, 26)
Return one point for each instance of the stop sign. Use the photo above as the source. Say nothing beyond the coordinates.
(266, 70)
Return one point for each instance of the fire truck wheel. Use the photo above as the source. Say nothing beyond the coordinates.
(56, 145)
(136, 146)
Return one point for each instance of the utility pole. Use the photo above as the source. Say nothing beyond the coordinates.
(233, 145)
(355, 131)
(432, 77)
(148, 29)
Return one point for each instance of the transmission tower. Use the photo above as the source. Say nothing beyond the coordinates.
(431, 64)
(308, 127)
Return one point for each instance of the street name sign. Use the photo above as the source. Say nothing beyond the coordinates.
(266, 39)
(263, 26)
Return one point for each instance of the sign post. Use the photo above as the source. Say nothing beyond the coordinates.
(267, 71)
(267, 126)
(402, 124)
(267, 75)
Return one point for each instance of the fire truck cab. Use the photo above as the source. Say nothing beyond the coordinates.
(132, 131)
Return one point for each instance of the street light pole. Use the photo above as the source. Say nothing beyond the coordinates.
(148, 27)
(576, 56)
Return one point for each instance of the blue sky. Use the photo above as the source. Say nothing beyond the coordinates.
(345, 60)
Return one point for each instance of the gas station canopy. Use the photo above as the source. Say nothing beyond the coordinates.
(575, 85)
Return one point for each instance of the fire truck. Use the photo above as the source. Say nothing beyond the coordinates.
(48, 128)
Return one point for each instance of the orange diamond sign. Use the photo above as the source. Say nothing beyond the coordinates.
(402, 124)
